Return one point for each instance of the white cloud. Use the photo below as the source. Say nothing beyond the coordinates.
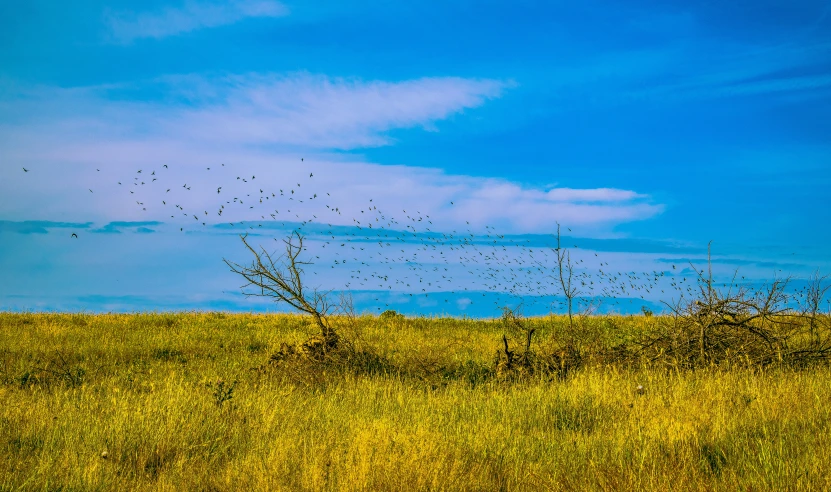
(463, 303)
(593, 195)
(298, 110)
(61, 176)
(128, 26)
(260, 125)
(317, 111)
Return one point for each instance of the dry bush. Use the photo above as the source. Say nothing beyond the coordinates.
(62, 368)
(736, 325)
(311, 362)
(556, 362)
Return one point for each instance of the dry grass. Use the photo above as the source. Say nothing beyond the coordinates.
(173, 401)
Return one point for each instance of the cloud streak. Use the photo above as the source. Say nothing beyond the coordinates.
(39, 226)
(740, 71)
(336, 113)
(125, 27)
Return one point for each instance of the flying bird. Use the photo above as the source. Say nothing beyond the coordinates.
(25, 170)
(74, 235)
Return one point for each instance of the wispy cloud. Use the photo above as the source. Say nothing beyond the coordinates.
(298, 110)
(317, 111)
(125, 27)
(261, 125)
(39, 226)
(710, 71)
(592, 195)
(744, 71)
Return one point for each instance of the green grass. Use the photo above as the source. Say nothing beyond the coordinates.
(174, 402)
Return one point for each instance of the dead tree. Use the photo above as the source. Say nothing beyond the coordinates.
(565, 276)
(506, 360)
(813, 295)
(281, 279)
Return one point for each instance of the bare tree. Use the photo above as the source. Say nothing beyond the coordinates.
(280, 278)
(813, 296)
(565, 275)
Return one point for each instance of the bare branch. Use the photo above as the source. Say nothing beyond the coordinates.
(282, 280)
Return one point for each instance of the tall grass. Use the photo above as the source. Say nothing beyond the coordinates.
(170, 402)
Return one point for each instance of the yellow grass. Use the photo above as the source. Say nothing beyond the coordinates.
(151, 391)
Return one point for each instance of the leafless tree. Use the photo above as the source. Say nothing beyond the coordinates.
(565, 276)
(281, 279)
(814, 294)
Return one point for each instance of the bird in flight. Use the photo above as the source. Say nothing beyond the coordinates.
(74, 235)
(25, 170)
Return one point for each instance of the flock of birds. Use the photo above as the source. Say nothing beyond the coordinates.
(396, 252)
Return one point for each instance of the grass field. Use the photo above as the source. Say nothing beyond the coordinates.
(190, 402)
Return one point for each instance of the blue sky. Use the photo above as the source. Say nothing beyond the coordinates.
(646, 129)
